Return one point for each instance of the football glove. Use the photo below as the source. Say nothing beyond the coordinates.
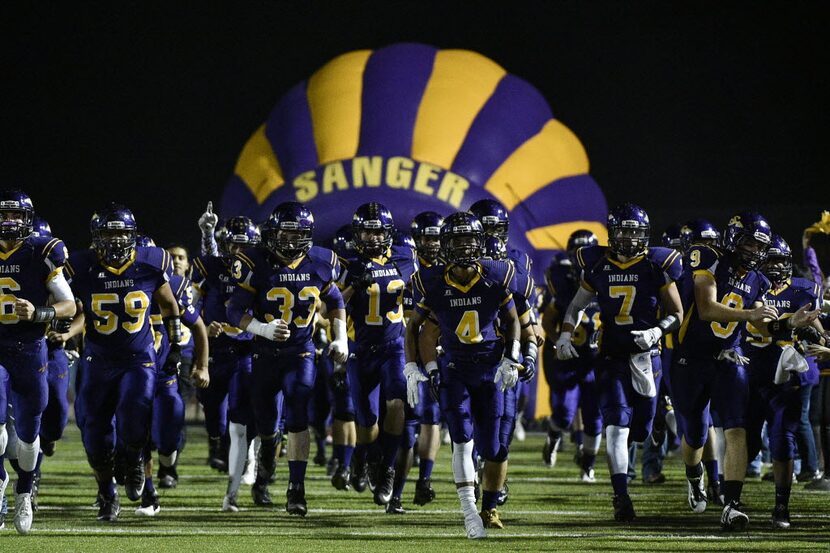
(208, 220)
(647, 338)
(434, 380)
(61, 326)
(414, 377)
(360, 277)
(564, 348)
(507, 374)
(338, 379)
(174, 360)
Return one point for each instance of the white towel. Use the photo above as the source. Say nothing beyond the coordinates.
(790, 361)
(642, 376)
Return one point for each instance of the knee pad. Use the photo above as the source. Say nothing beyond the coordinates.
(168, 460)
(27, 454)
(4, 439)
(590, 444)
(463, 469)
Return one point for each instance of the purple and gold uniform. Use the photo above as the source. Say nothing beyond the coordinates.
(467, 317)
(628, 295)
(779, 404)
(119, 358)
(272, 290)
(24, 273)
(376, 370)
(697, 375)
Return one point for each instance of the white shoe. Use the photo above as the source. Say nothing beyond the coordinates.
(23, 513)
(697, 496)
(474, 527)
(733, 519)
(229, 504)
(589, 476)
(148, 511)
(519, 431)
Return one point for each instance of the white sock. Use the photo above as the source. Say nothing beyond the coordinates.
(720, 449)
(4, 438)
(671, 422)
(463, 470)
(236, 456)
(168, 460)
(616, 444)
(27, 454)
(590, 444)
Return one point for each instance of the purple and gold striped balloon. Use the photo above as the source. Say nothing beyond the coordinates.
(417, 128)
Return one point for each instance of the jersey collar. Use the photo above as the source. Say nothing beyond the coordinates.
(626, 264)
(458, 286)
(786, 285)
(5, 255)
(120, 270)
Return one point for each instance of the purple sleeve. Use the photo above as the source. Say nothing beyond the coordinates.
(238, 305)
(332, 298)
(189, 315)
(811, 261)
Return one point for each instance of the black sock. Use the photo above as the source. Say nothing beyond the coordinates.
(731, 490)
(694, 473)
(782, 496)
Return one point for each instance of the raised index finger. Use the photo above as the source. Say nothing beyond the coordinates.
(210, 207)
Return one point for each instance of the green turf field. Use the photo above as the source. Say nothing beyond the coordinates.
(548, 510)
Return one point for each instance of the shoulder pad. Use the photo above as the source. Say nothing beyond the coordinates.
(53, 251)
(521, 259)
(322, 255)
(586, 256)
(80, 261)
(501, 272)
(668, 260)
(155, 257)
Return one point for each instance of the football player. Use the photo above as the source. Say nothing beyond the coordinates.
(227, 396)
(279, 286)
(496, 222)
(635, 287)
(115, 284)
(32, 268)
(709, 365)
(701, 232)
(773, 387)
(572, 382)
(374, 283)
(464, 299)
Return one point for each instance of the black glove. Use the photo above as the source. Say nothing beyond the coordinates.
(809, 334)
(338, 381)
(528, 369)
(360, 276)
(435, 384)
(174, 359)
(61, 326)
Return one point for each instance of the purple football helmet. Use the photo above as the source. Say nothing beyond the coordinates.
(343, 241)
(580, 239)
(403, 238)
(288, 231)
(672, 237)
(145, 241)
(628, 230)
(373, 229)
(462, 239)
(493, 217)
(426, 230)
(494, 248)
(41, 228)
(699, 231)
(779, 263)
(748, 237)
(237, 233)
(17, 214)
(114, 233)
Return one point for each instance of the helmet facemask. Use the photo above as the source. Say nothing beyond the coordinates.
(628, 240)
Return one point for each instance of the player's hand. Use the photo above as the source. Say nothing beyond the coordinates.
(338, 350)
(414, 377)
(61, 326)
(819, 352)
(528, 370)
(24, 309)
(434, 376)
(360, 277)
(174, 360)
(56, 338)
(208, 220)
(507, 374)
(215, 329)
(761, 314)
(647, 338)
(810, 334)
(564, 348)
(200, 376)
(804, 317)
(338, 380)
(277, 331)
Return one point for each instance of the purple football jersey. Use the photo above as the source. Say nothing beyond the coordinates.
(211, 278)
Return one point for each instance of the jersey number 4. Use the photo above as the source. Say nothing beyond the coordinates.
(468, 330)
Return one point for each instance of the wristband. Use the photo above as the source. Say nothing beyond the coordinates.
(43, 314)
(530, 350)
(173, 325)
(512, 349)
(669, 324)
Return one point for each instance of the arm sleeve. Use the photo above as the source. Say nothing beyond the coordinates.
(581, 300)
(811, 261)
(54, 256)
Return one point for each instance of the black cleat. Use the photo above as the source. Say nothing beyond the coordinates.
(215, 460)
(423, 492)
(119, 468)
(394, 507)
(168, 477)
(384, 485)
(48, 448)
(134, 480)
(341, 478)
(359, 478)
(503, 495)
(732, 518)
(320, 458)
(781, 518)
(295, 500)
(623, 509)
(108, 508)
(260, 494)
(714, 494)
(332, 466)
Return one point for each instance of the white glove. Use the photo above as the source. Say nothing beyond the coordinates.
(338, 349)
(276, 331)
(647, 338)
(564, 348)
(507, 374)
(208, 220)
(413, 377)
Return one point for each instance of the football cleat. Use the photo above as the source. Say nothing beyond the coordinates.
(229, 504)
(359, 478)
(320, 458)
(588, 476)
(804, 477)
(119, 468)
(332, 466)
(149, 504)
(733, 519)
(108, 508)
(549, 450)
(4, 510)
(215, 459)
(490, 519)
(519, 432)
(474, 526)
(261, 495)
(341, 478)
(503, 496)
(445, 437)
(23, 513)
(372, 475)
(295, 500)
(624, 508)
(394, 507)
(697, 496)
(655, 478)
(713, 494)
(48, 448)
(383, 486)
(249, 476)
(168, 477)
(134, 480)
(781, 518)
(423, 492)
(818, 485)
